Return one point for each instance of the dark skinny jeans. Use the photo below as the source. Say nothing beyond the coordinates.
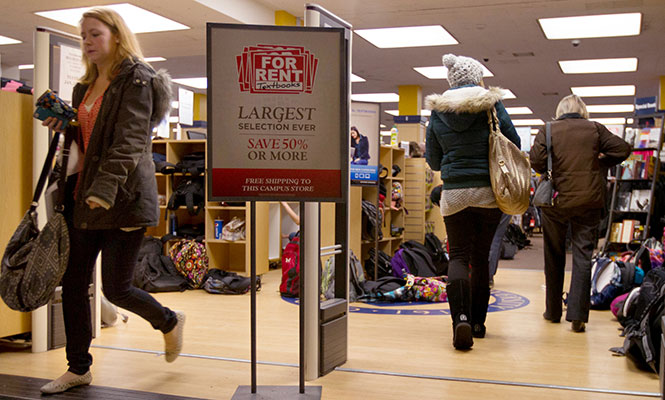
(119, 256)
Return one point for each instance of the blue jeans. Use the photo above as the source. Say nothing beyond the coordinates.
(120, 251)
(495, 250)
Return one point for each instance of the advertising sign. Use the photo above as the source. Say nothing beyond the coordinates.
(364, 146)
(71, 70)
(645, 105)
(277, 113)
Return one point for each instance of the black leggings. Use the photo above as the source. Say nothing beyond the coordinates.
(119, 255)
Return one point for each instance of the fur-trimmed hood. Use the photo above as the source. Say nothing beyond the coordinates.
(161, 87)
(470, 99)
(459, 108)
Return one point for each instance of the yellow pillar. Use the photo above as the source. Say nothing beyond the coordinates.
(661, 94)
(200, 107)
(283, 18)
(410, 99)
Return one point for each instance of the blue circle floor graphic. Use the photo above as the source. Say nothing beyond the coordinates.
(500, 301)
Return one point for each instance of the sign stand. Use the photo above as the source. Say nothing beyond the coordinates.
(277, 392)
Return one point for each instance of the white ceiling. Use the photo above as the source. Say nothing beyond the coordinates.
(505, 33)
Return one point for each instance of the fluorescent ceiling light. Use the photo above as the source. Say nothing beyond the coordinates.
(604, 91)
(376, 97)
(154, 59)
(609, 121)
(175, 104)
(534, 131)
(8, 40)
(382, 126)
(407, 36)
(174, 119)
(356, 78)
(629, 121)
(441, 72)
(507, 94)
(603, 65)
(528, 122)
(423, 113)
(26, 66)
(198, 83)
(591, 26)
(138, 19)
(518, 110)
(611, 108)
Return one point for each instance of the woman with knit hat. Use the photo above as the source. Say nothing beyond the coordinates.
(458, 146)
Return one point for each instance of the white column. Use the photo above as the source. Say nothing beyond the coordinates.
(41, 58)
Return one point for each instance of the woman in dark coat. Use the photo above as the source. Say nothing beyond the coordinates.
(113, 198)
(582, 151)
(458, 146)
(361, 144)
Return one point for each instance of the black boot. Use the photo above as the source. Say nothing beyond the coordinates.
(459, 296)
(480, 298)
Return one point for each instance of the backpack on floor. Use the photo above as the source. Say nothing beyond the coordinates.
(224, 282)
(383, 264)
(414, 261)
(191, 261)
(610, 279)
(290, 285)
(439, 255)
(643, 331)
(155, 272)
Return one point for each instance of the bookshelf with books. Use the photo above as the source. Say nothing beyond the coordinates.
(632, 184)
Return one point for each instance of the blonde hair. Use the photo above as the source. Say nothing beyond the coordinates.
(127, 46)
(572, 104)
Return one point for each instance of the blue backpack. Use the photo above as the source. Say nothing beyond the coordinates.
(610, 279)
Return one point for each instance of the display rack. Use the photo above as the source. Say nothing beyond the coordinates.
(423, 217)
(230, 256)
(633, 184)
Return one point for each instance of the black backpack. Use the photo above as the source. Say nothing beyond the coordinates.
(371, 221)
(192, 163)
(155, 271)
(516, 235)
(418, 260)
(383, 266)
(439, 254)
(224, 282)
(190, 192)
(642, 327)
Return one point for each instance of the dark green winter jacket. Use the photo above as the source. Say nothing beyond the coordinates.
(118, 166)
(458, 134)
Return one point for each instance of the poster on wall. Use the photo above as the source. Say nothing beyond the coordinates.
(277, 113)
(364, 146)
(71, 70)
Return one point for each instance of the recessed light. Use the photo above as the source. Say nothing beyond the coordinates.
(423, 112)
(604, 91)
(441, 72)
(599, 66)
(376, 97)
(407, 36)
(175, 104)
(534, 131)
(154, 59)
(518, 110)
(174, 119)
(198, 83)
(356, 78)
(138, 19)
(382, 126)
(609, 121)
(507, 94)
(592, 26)
(392, 112)
(8, 40)
(610, 108)
(630, 120)
(528, 122)
(26, 66)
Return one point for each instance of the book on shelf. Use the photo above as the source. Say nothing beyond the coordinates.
(628, 230)
(639, 200)
(623, 201)
(615, 232)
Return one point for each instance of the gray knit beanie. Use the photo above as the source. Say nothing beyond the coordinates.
(462, 70)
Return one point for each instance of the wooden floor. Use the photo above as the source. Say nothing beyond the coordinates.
(394, 356)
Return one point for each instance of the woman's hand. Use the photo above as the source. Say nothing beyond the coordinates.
(53, 123)
(93, 204)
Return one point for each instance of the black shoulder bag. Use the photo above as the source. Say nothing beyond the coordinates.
(545, 192)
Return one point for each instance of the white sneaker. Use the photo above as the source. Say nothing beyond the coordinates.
(173, 339)
(67, 381)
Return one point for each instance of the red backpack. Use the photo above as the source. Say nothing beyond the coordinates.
(290, 286)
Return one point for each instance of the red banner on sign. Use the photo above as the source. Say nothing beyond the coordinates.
(241, 182)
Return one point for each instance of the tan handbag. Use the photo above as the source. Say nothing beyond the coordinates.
(510, 171)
